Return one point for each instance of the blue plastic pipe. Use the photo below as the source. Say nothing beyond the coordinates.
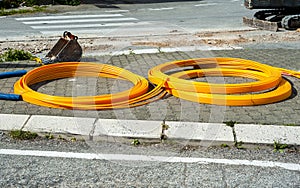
(12, 74)
(11, 97)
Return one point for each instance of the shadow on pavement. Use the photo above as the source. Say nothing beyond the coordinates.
(18, 65)
(131, 1)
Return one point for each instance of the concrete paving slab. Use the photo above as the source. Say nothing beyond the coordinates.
(267, 134)
(59, 124)
(153, 129)
(199, 131)
(12, 121)
(128, 128)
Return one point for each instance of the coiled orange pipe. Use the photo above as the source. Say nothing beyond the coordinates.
(270, 87)
(135, 96)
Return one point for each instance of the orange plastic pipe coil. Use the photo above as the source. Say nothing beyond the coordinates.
(135, 96)
(269, 86)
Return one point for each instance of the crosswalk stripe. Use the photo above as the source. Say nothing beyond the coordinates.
(78, 21)
(115, 11)
(205, 4)
(84, 25)
(68, 17)
(79, 31)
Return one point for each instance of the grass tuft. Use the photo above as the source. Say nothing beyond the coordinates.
(22, 135)
(35, 9)
(16, 55)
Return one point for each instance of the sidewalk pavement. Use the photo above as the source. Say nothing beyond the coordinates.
(187, 120)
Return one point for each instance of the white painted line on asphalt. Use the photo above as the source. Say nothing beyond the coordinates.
(69, 17)
(267, 134)
(167, 8)
(12, 121)
(79, 21)
(149, 158)
(115, 11)
(86, 25)
(89, 31)
(206, 4)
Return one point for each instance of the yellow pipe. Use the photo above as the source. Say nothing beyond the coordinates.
(270, 87)
(127, 98)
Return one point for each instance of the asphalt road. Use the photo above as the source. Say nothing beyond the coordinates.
(131, 19)
(151, 164)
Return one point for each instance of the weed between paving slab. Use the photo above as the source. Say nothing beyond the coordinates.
(182, 146)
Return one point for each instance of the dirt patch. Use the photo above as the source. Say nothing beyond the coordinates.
(245, 37)
(111, 44)
(219, 39)
(67, 8)
(44, 45)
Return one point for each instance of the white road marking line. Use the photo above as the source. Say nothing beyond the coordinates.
(84, 25)
(78, 31)
(168, 8)
(149, 158)
(114, 11)
(78, 21)
(206, 4)
(69, 17)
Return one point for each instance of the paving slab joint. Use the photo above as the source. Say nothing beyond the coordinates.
(92, 132)
(237, 143)
(164, 128)
(25, 123)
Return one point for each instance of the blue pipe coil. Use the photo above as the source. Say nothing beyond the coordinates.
(11, 97)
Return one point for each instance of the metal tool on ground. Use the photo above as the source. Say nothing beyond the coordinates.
(277, 14)
(66, 49)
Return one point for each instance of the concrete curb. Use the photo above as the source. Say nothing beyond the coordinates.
(267, 134)
(209, 132)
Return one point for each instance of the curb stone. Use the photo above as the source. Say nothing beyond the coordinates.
(219, 132)
(267, 134)
(59, 124)
(12, 121)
